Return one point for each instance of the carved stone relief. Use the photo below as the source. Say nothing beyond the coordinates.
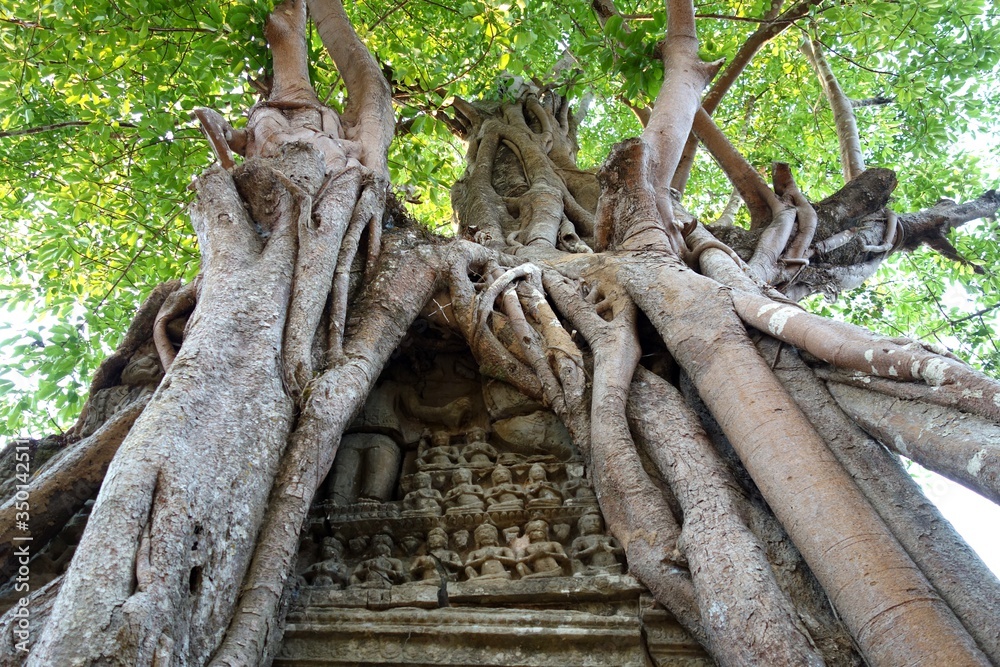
(452, 492)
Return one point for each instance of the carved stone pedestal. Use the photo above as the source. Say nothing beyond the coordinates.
(561, 622)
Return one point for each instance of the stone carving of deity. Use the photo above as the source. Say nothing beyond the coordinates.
(464, 496)
(489, 560)
(438, 560)
(365, 469)
(504, 494)
(593, 552)
(330, 571)
(539, 491)
(381, 570)
(438, 452)
(578, 491)
(542, 557)
(423, 500)
(478, 453)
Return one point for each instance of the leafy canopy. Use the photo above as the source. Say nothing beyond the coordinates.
(98, 146)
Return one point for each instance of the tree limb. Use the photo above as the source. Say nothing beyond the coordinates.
(369, 100)
(771, 27)
(761, 201)
(851, 159)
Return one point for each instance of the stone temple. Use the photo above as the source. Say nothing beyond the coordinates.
(458, 527)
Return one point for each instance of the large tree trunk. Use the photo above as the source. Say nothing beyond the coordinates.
(561, 282)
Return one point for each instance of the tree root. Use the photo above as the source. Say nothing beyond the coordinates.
(62, 487)
(965, 583)
(722, 552)
(962, 447)
(140, 331)
(254, 633)
(803, 486)
(853, 348)
(178, 304)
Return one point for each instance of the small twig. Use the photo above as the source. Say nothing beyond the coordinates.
(55, 126)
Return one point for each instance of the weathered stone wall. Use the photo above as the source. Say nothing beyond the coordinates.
(459, 528)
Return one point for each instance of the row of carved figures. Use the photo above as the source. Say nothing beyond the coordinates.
(503, 494)
(534, 556)
(436, 451)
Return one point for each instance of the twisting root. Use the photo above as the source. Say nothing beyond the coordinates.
(176, 305)
(805, 214)
(484, 302)
(702, 244)
(367, 211)
(494, 359)
(893, 228)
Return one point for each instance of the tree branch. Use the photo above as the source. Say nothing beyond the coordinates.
(851, 159)
(761, 201)
(885, 601)
(369, 100)
(769, 29)
(54, 126)
(942, 217)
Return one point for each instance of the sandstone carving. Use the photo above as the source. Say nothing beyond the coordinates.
(366, 468)
(464, 496)
(542, 557)
(330, 571)
(504, 494)
(539, 491)
(381, 570)
(422, 500)
(593, 552)
(478, 453)
(489, 560)
(438, 562)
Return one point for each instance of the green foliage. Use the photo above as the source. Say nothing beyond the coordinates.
(98, 147)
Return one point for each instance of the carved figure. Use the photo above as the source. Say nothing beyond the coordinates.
(578, 491)
(593, 552)
(143, 368)
(438, 560)
(464, 496)
(451, 415)
(139, 378)
(330, 571)
(422, 500)
(460, 540)
(365, 470)
(542, 557)
(381, 570)
(438, 453)
(539, 491)
(504, 495)
(489, 560)
(478, 453)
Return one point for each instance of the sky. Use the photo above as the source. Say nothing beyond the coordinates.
(975, 518)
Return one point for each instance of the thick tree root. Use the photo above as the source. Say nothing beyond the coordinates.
(961, 578)
(254, 635)
(882, 596)
(752, 622)
(962, 447)
(220, 411)
(67, 483)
